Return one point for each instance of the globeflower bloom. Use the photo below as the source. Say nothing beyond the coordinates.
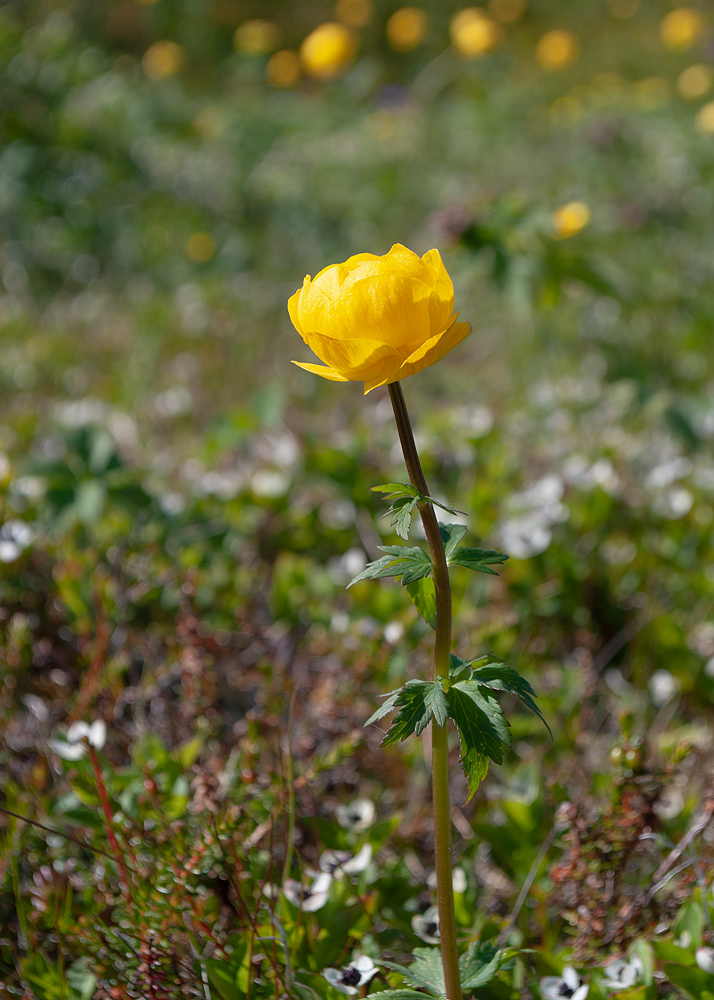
(378, 319)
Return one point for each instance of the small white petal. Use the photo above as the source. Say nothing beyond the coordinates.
(570, 977)
(68, 751)
(581, 993)
(704, 958)
(77, 732)
(97, 734)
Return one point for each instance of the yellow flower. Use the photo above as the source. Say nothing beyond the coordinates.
(695, 81)
(406, 28)
(569, 219)
(283, 69)
(328, 50)
(507, 11)
(378, 319)
(557, 49)
(163, 59)
(681, 28)
(354, 13)
(472, 33)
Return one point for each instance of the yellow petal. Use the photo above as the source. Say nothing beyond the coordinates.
(293, 303)
(443, 285)
(428, 354)
(321, 370)
(355, 359)
(393, 308)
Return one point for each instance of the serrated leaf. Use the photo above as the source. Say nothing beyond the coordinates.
(487, 703)
(460, 670)
(436, 702)
(410, 563)
(402, 511)
(416, 703)
(414, 563)
(396, 489)
(384, 709)
(478, 560)
(423, 595)
(412, 717)
(451, 535)
(479, 736)
(500, 677)
(480, 964)
(426, 971)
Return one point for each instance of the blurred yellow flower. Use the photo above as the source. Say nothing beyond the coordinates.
(695, 81)
(681, 28)
(328, 51)
(163, 59)
(622, 9)
(473, 34)
(256, 37)
(406, 28)
(378, 319)
(557, 49)
(283, 69)
(354, 13)
(200, 247)
(569, 219)
(705, 117)
(507, 11)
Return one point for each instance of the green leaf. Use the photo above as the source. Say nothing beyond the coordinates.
(413, 715)
(498, 676)
(480, 730)
(384, 709)
(481, 963)
(487, 704)
(426, 971)
(460, 670)
(411, 563)
(423, 595)
(693, 983)
(451, 535)
(396, 489)
(478, 560)
(402, 511)
(436, 702)
(688, 926)
(417, 703)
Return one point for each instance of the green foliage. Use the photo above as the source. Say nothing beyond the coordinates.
(406, 499)
(468, 698)
(411, 564)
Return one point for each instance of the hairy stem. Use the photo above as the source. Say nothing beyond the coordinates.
(440, 750)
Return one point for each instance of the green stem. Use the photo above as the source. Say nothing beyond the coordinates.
(439, 745)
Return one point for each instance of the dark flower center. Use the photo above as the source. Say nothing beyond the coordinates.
(432, 927)
(565, 991)
(351, 976)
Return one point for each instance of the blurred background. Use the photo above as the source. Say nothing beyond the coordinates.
(180, 507)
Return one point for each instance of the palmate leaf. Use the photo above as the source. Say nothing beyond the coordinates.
(417, 703)
(451, 535)
(498, 676)
(411, 563)
(483, 730)
(405, 500)
(481, 963)
(478, 560)
(413, 716)
(426, 971)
